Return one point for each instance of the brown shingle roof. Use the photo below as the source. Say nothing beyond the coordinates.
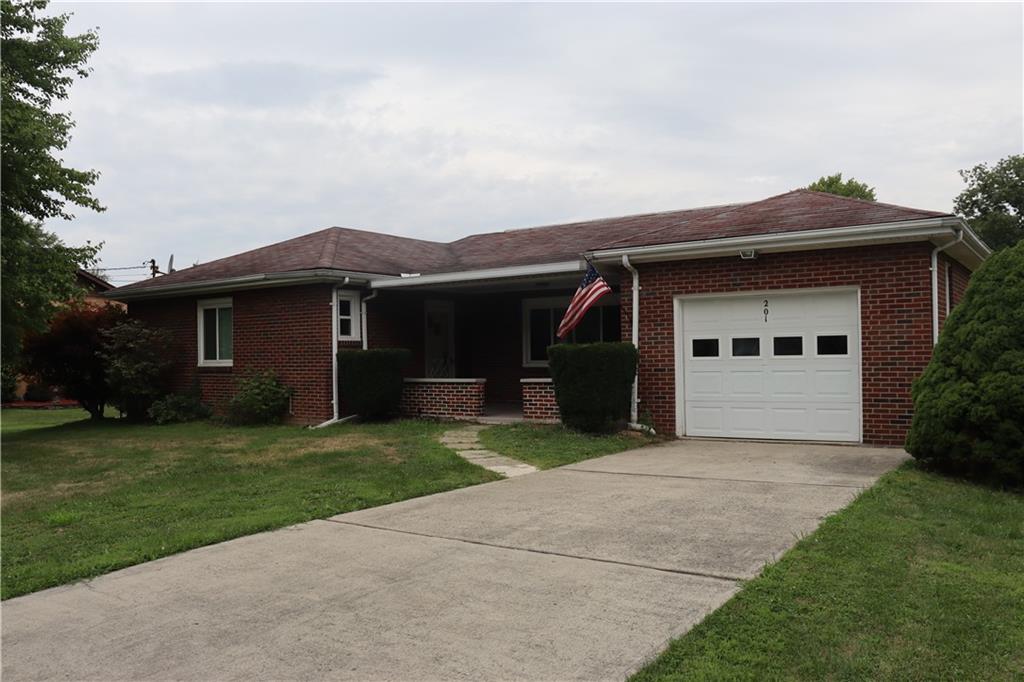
(373, 252)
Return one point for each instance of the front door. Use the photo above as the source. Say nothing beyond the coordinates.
(439, 339)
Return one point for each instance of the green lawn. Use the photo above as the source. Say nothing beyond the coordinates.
(82, 498)
(546, 446)
(921, 578)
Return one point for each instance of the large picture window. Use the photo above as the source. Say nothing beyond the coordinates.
(216, 333)
(541, 317)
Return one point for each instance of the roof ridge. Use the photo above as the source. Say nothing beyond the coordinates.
(727, 208)
(866, 201)
(387, 234)
(593, 220)
(330, 244)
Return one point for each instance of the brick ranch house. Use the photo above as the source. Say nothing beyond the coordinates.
(802, 316)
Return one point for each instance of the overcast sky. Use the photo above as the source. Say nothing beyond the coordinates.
(219, 128)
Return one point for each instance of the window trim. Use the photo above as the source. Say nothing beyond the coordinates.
(704, 358)
(530, 304)
(849, 344)
(760, 347)
(207, 304)
(355, 313)
(784, 335)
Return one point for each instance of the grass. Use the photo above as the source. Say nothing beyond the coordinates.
(83, 498)
(546, 446)
(922, 577)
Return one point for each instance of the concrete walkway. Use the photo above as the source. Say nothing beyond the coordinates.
(582, 572)
(465, 441)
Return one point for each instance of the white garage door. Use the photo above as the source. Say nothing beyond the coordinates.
(772, 366)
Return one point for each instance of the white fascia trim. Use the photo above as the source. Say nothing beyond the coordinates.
(273, 279)
(826, 238)
(559, 268)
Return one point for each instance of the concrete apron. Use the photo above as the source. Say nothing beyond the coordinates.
(582, 572)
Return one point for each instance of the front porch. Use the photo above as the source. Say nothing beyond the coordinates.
(466, 399)
(479, 350)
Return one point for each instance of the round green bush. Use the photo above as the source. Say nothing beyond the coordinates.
(969, 403)
(593, 382)
(260, 398)
(370, 381)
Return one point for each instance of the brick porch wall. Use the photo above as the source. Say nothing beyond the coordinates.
(539, 402)
(895, 298)
(443, 398)
(286, 329)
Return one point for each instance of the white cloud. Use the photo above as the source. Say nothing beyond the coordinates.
(223, 127)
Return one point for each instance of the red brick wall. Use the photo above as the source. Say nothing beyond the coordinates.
(895, 286)
(286, 329)
(539, 401)
(443, 399)
(959, 279)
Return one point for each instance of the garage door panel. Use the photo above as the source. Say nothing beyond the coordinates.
(797, 394)
(748, 420)
(832, 383)
(840, 422)
(705, 385)
(791, 422)
(788, 383)
(707, 419)
(747, 383)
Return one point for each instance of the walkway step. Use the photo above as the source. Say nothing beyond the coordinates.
(465, 441)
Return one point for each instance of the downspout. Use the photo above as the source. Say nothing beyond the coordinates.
(635, 323)
(334, 355)
(935, 282)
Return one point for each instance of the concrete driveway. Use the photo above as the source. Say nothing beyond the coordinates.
(582, 572)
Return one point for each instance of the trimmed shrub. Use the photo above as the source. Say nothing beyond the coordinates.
(260, 398)
(593, 383)
(137, 366)
(370, 381)
(969, 402)
(178, 407)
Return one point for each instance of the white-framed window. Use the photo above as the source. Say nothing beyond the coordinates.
(541, 317)
(347, 318)
(216, 332)
(745, 346)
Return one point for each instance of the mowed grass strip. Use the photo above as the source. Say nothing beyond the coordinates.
(552, 445)
(82, 498)
(921, 578)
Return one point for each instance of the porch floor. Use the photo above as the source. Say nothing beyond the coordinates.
(501, 413)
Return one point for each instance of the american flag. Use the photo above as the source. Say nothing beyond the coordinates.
(591, 288)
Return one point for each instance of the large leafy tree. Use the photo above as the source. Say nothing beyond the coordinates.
(40, 62)
(993, 202)
(834, 184)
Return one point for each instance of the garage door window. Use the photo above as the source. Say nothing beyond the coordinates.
(787, 345)
(704, 348)
(746, 347)
(833, 344)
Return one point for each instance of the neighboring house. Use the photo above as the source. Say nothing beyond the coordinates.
(802, 316)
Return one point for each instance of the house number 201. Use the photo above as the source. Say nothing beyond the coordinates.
(765, 310)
